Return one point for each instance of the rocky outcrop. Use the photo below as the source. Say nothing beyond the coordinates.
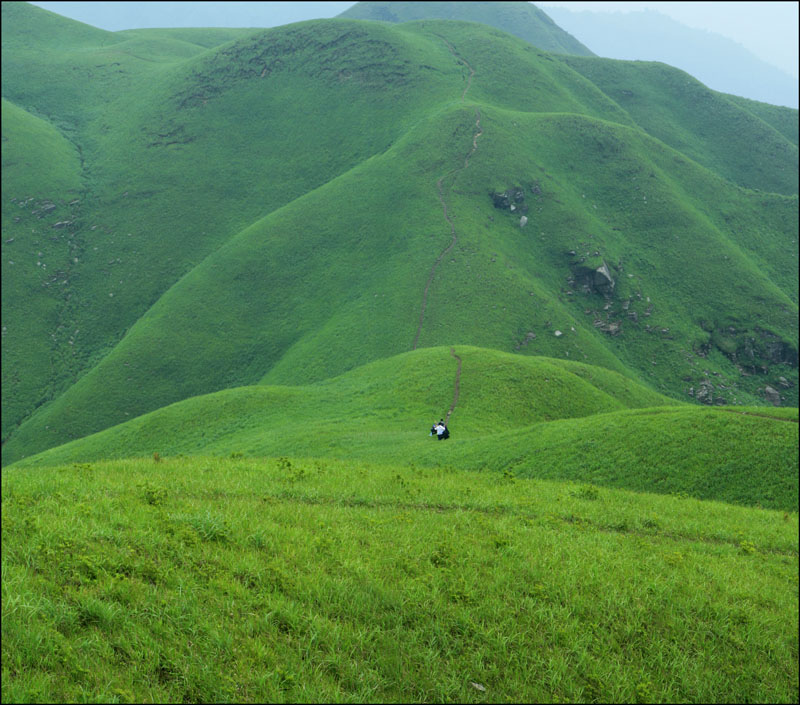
(529, 336)
(610, 327)
(754, 350)
(776, 350)
(44, 208)
(592, 279)
(603, 278)
(706, 394)
(512, 199)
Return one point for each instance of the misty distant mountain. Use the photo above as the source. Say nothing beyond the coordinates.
(718, 62)
(522, 19)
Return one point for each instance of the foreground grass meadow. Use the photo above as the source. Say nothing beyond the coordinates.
(284, 580)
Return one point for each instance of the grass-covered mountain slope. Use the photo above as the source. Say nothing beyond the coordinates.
(522, 19)
(137, 225)
(298, 202)
(267, 581)
(783, 119)
(530, 416)
(37, 159)
(703, 124)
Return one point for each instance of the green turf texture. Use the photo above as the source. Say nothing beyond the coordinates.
(328, 581)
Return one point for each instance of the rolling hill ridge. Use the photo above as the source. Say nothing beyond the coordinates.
(375, 205)
(522, 19)
(245, 270)
(526, 416)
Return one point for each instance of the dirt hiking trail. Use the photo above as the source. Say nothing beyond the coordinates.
(453, 235)
(440, 195)
(456, 387)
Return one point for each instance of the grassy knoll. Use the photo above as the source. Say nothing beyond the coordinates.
(728, 454)
(532, 417)
(286, 580)
(394, 398)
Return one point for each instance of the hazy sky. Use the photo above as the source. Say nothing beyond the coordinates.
(768, 29)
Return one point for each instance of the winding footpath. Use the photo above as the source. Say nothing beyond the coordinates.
(453, 235)
(456, 387)
(454, 240)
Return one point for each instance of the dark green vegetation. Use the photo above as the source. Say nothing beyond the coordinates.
(195, 580)
(243, 271)
(266, 210)
(522, 19)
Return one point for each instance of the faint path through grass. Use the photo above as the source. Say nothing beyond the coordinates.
(454, 237)
(763, 416)
(552, 518)
(456, 387)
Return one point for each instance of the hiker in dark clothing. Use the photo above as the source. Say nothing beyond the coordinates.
(440, 431)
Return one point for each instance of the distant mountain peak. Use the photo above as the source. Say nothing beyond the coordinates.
(648, 35)
(522, 19)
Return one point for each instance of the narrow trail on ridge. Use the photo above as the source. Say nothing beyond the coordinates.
(453, 235)
(456, 387)
(762, 416)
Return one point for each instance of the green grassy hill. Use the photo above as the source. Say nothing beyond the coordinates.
(372, 408)
(245, 270)
(132, 225)
(362, 207)
(45, 169)
(784, 120)
(702, 124)
(533, 417)
(328, 581)
(522, 19)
